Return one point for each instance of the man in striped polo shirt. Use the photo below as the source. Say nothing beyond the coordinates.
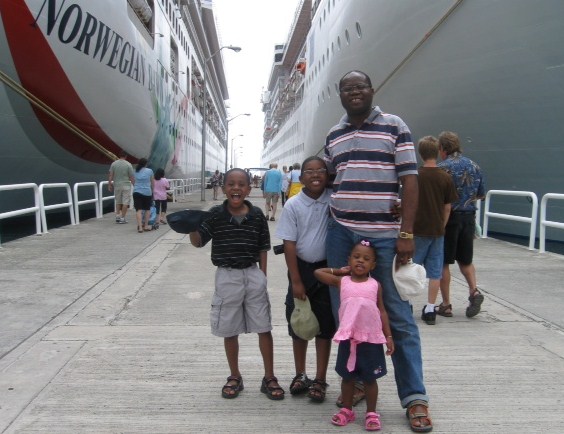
(371, 154)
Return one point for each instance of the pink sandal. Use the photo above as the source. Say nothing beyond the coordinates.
(372, 422)
(343, 417)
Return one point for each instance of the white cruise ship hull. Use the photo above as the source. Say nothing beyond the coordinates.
(492, 71)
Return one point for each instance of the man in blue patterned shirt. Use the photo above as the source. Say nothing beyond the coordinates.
(460, 229)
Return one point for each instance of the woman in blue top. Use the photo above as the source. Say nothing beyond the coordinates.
(143, 194)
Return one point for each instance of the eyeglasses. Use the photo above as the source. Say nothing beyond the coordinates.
(359, 87)
(316, 171)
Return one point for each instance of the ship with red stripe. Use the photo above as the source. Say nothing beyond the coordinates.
(83, 80)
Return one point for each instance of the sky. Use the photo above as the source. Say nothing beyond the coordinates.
(256, 26)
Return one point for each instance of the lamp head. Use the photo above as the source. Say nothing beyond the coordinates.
(236, 49)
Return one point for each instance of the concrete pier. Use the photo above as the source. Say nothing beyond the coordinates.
(104, 330)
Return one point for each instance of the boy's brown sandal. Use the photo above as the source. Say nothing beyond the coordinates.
(300, 384)
(232, 388)
(317, 390)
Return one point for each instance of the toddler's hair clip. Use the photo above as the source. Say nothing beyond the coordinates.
(365, 243)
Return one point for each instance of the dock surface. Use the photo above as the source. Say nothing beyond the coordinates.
(104, 330)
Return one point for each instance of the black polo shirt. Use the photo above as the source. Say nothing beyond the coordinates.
(235, 245)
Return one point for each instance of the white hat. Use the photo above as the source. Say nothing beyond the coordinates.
(303, 321)
(410, 279)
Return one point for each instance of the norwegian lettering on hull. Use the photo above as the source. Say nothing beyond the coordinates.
(92, 36)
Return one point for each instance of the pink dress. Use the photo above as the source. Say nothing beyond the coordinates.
(359, 316)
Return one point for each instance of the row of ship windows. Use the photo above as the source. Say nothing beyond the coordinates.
(321, 63)
(173, 12)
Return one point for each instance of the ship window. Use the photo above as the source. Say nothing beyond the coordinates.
(328, 92)
(323, 95)
(323, 60)
(337, 88)
(332, 47)
(339, 42)
(347, 37)
(324, 14)
(358, 30)
(327, 54)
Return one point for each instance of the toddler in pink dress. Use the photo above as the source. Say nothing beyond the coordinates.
(363, 329)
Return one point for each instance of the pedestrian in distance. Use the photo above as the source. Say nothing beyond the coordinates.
(215, 182)
(461, 226)
(295, 184)
(285, 184)
(371, 153)
(240, 304)
(303, 229)
(143, 195)
(160, 187)
(120, 180)
(363, 330)
(436, 193)
(272, 188)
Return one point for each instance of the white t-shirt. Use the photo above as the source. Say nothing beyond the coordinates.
(304, 220)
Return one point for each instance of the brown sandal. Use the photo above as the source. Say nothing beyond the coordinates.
(317, 390)
(444, 310)
(422, 418)
(357, 397)
(230, 391)
(276, 393)
(300, 384)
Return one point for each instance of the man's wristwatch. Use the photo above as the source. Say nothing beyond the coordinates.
(406, 235)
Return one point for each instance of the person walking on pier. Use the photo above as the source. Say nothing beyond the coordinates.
(303, 228)
(120, 180)
(240, 304)
(272, 189)
(436, 193)
(461, 225)
(161, 186)
(371, 153)
(143, 194)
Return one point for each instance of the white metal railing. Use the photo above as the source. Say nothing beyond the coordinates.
(44, 207)
(101, 194)
(34, 209)
(544, 222)
(531, 220)
(95, 200)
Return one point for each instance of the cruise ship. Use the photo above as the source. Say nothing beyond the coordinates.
(492, 71)
(83, 80)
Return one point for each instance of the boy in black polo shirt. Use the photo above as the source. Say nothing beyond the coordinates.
(240, 302)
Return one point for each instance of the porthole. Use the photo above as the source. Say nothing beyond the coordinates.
(337, 89)
(332, 47)
(328, 91)
(339, 42)
(358, 30)
(323, 95)
(347, 37)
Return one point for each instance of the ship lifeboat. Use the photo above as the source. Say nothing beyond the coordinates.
(142, 9)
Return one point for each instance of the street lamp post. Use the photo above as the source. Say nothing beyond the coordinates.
(227, 138)
(233, 149)
(204, 117)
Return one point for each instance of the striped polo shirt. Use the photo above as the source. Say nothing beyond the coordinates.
(368, 163)
(235, 245)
